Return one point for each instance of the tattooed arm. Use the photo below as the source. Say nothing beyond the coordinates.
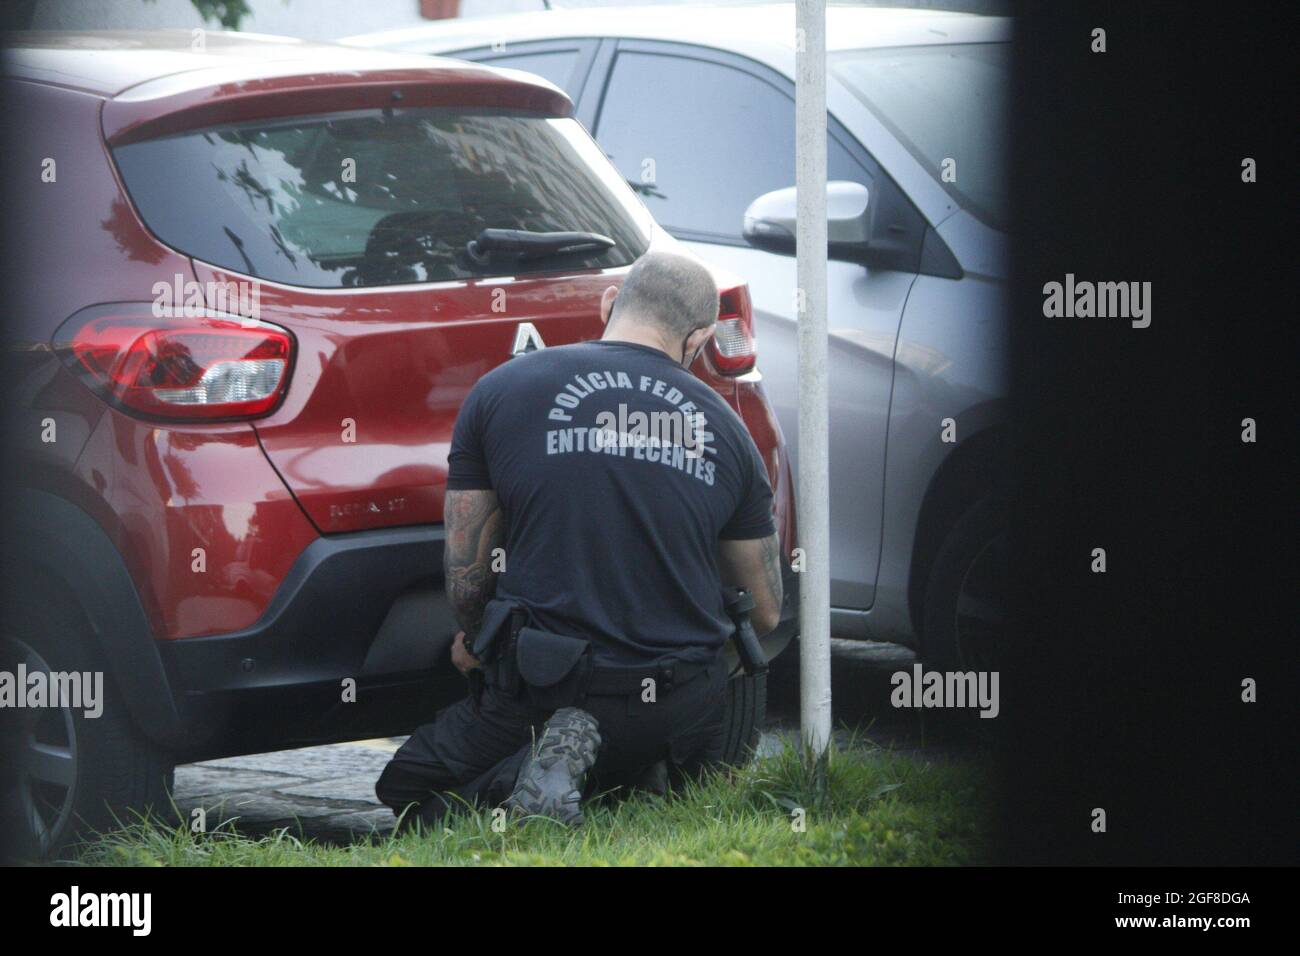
(475, 526)
(755, 565)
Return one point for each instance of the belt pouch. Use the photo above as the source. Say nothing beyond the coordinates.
(553, 667)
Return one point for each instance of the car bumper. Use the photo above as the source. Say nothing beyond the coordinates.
(354, 645)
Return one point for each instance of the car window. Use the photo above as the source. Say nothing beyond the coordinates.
(558, 66)
(700, 141)
(374, 198)
(944, 103)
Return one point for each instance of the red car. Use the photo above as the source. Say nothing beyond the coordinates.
(253, 285)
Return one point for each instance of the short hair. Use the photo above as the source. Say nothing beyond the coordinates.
(674, 291)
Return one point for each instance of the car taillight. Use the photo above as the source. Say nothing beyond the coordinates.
(734, 349)
(201, 368)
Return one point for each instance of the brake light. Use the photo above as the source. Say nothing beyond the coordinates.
(201, 368)
(733, 347)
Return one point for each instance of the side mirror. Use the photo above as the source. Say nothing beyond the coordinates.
(770, 221)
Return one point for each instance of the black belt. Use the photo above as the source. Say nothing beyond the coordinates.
(609, 681)
(508, 629)
(618, 681)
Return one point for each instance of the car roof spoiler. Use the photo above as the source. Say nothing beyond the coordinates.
(193, 100)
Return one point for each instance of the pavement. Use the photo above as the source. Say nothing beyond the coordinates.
(327, 793)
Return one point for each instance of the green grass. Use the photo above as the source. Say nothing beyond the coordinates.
(861, 808)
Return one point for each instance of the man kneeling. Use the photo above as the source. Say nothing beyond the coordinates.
(599, 645)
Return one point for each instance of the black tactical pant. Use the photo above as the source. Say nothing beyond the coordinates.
(473, 757)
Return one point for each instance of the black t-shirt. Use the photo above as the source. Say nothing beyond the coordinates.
(618, 472)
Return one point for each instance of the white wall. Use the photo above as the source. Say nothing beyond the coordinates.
(312, 19)
(331, 19)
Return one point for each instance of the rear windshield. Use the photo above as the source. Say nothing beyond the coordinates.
(369, 198)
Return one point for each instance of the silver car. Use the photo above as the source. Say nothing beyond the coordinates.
(696, 108)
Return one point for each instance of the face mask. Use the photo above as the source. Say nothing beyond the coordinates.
(686, 364)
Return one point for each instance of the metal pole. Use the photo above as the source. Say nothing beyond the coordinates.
(814, 456)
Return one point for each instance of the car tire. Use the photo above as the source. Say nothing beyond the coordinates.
(102, 771)
(743, 717)
(964, 611)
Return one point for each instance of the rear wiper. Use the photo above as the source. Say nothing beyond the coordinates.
(532, 245)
